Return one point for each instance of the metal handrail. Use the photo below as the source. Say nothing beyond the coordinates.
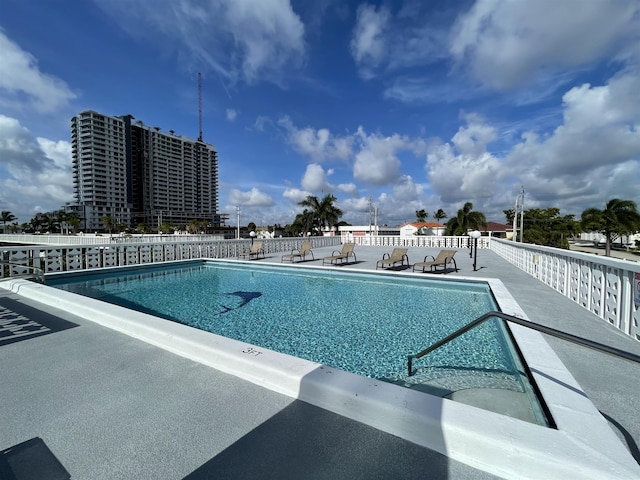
(525, 323)
(38, 272)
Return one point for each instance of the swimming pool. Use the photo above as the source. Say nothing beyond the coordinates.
(366, 324)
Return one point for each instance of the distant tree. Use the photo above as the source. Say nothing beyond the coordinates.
(439, 215)
(251, 227)
(166, 228)
(14, 227)
(143, 228)
(61, 220)
(6, 216)
(465, 220)
(619, 217)
(304, 223)
(421, 215)
(43, 222)
(73, 220)
(545, 226)
(108, 223)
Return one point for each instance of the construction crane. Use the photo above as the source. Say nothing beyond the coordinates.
(200, 106)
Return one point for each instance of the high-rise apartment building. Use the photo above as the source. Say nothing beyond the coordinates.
(136, 174)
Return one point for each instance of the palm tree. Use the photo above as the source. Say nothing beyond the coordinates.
(6, 216)
(303, 223)
(323, 212)
(73, 220)
(108, 222)
(465, 220)
(143, 228)
(421, 215)
(166, 228)
(617, 218)
(439, 215)
(61, 220)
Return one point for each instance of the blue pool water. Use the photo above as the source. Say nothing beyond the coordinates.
(363, 323)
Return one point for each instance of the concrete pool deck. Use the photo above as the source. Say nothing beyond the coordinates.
(110, 406)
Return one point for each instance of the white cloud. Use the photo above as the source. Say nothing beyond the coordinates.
(506, 44)
(22, 76)
(232, 114)
(348, 188)
(382, 41)
(318, 144)
(377, 162)
(252, 198)
(599, 137)
(315, 179)
(39, 171)
(463, 169)
(406, 190)
(251, 40)
(295, 195)
(21, 154)
(368, 44)
(261, 123)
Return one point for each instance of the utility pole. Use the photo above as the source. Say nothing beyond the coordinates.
(375, 216)
(515, 221)
(370, 214)
(238, 214)
(522, 216)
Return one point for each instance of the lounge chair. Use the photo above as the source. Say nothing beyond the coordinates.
(341, 256)
(255, 252)
(301, 253)
(399, 255)
(444, 258)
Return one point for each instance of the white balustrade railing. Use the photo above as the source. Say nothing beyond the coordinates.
(20, 259)
(426, 241)
(99, 239)
(607, 287)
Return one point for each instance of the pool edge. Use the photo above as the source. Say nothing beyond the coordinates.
(482, 439)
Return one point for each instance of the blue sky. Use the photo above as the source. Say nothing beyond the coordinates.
(409, 104)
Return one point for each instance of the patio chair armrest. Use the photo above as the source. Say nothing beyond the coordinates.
(433, 259)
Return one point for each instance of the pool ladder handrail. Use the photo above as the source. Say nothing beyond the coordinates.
(38, 273)
(525, 323)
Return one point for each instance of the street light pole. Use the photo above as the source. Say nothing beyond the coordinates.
(475, 235)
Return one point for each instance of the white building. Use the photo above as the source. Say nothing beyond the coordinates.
(347, 233)
(422, 228)
(137, 174)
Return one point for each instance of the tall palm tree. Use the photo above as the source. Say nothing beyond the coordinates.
(303, 223)
(73, 220)
(61, 220)
(464, 220)
(6, 216)
(421, 215)
(108, 223)
(324, 212)
(617, 218)
(439, 215)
